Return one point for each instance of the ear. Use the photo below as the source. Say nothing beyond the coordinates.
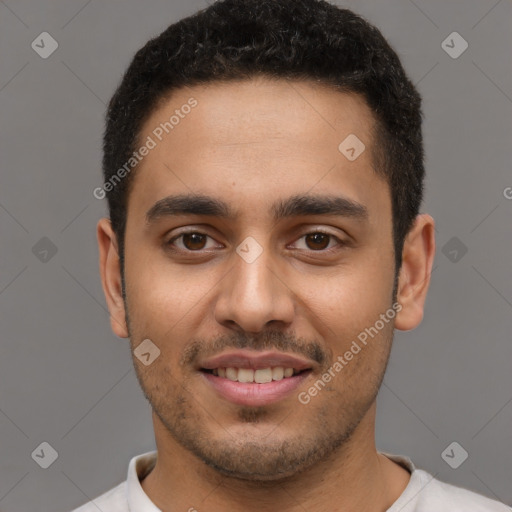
(414, 277)
(110, 270)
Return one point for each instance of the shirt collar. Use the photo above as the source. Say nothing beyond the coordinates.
(402, 460)
(139, 467)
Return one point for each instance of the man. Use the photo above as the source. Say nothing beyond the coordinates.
(263, 167)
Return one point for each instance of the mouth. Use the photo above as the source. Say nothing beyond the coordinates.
(259, 376)
(245, 390)
(255, 378)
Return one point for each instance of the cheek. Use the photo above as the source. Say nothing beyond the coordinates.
(349, 300)
(168, 304)
(347, 314)
(161, 293)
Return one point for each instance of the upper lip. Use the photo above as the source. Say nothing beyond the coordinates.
(255, 360)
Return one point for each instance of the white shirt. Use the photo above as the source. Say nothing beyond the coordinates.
(424, 493)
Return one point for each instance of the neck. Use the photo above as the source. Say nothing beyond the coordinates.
(355, 477)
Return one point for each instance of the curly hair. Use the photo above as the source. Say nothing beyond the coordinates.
(288, 39)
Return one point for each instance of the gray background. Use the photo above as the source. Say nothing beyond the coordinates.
(67, 380)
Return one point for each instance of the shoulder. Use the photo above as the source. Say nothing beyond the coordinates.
(437, 495)
(425, 493)
(127, 494)
(111, 501)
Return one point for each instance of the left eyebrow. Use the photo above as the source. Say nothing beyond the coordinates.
(297, 205)
(319, 205)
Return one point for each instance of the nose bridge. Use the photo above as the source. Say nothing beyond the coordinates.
(253, 282)
(253, 294)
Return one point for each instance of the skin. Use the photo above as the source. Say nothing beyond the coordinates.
(250, 144)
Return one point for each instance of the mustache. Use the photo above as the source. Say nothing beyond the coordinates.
(275, 340)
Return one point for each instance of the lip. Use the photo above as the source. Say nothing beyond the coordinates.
(254, 394)
(256, 360)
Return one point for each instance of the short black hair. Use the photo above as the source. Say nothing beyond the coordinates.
(288, 39)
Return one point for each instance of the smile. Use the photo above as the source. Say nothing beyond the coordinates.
(251, 392)
(260, 376)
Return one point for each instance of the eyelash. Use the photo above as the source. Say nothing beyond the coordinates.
(340, 243)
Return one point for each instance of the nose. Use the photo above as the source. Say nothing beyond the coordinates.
(254, 296)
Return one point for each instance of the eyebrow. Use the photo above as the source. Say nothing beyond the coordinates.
(297, 205)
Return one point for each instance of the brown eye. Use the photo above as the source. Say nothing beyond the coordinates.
(194, 241)
(317, 241)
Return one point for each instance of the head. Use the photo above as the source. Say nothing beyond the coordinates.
(267, 123)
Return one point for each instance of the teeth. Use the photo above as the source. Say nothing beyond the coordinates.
(277, 373)
(245, 375)
(261, 376)
(232, 373)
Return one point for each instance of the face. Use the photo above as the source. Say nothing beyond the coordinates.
(281, 256)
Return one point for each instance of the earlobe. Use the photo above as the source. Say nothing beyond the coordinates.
(414, 277)
(110, 271)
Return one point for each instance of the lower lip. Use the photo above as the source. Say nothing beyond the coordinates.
(252, 393)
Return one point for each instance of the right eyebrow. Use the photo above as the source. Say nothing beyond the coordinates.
(188, 204)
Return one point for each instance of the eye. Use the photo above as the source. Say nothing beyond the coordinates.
(195, 241)
(190, 241)
(317, 241)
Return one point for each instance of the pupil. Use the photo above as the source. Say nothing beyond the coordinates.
(193, 238)
(317, 238)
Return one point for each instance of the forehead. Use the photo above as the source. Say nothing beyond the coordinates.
(259, 137)
(255, 110)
